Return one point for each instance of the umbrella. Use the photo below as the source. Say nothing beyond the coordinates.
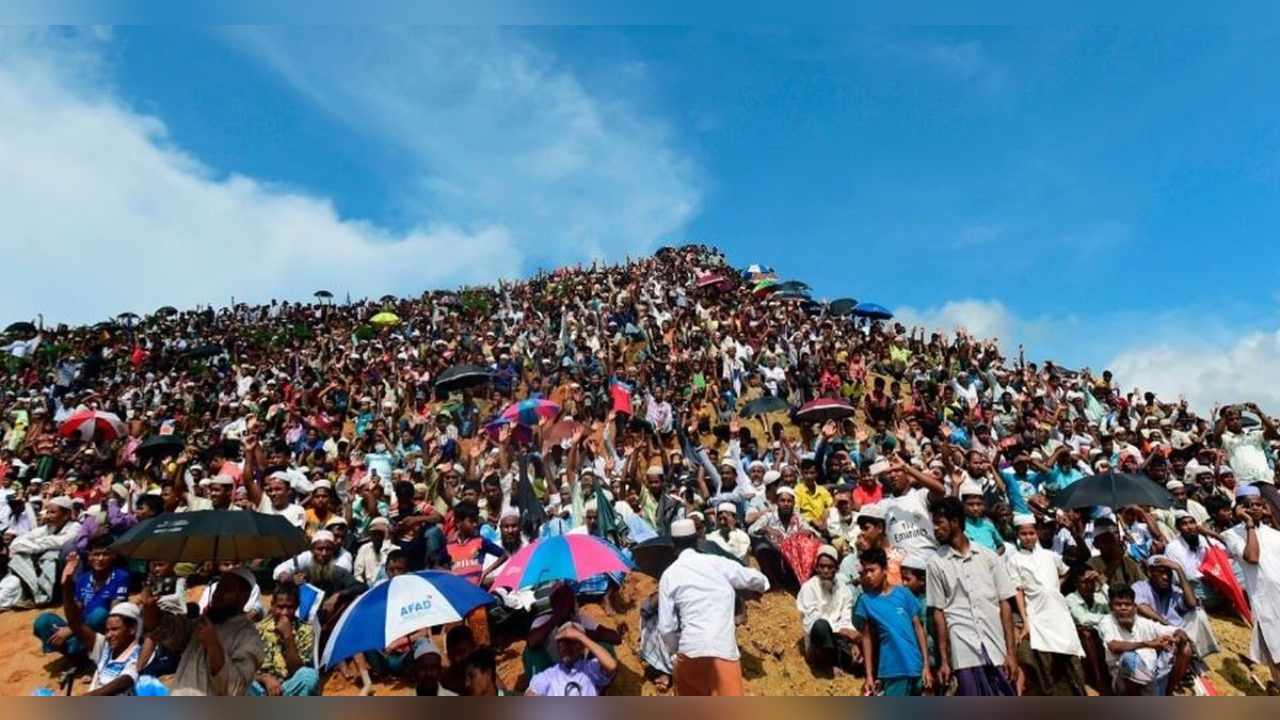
(567, 557)
(792, 295)
(92, 423)
(764, 287)
(167, 311)
(824, 409)
(653, 557)
(385, 318)
(399, 607)
(388, 299)
(530, 412)
(564, 430)
(127, 316)
(204, 352)
(234, 535)
(520, 434)
(324, 295)
(20, 327)
(1114, 490)
(764, 405)
(105, 325)
(462, 376)
(793, 286)
(872, 311)
(158, 446)
(709, 280)
(842, 307)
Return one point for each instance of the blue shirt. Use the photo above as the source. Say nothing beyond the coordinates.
(983, 532)
(893, 614)
(584, 678)
(1060, 479)
(91, 597)
(1014, 487)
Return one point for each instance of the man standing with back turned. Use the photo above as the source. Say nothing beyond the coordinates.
(696, 615)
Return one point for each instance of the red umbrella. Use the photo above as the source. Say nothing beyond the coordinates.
(824, 409)
(92, 423)
(709, 279)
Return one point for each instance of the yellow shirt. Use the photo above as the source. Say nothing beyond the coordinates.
(813, 506)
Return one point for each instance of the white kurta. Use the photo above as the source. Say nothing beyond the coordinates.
(1036, 573)
(1262, 581)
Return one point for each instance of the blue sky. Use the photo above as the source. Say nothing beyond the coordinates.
(1103, 195)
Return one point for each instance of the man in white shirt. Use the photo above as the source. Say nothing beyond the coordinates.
(696, 615)
(729, 536)
(1050, 648)
(772, 374)
(33, 557)
(1257, 548)
(274, 499)
(826, 615)
(906, 505)
(1145, 657)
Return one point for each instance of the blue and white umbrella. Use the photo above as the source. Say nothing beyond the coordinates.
(399, 607)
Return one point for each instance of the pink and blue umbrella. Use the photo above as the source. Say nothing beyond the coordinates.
(530, 412)
(571, 558)
(399, 607)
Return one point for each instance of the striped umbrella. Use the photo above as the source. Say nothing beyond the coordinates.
(89, 424)
(530, 412)
(399, 607)
(574, 558)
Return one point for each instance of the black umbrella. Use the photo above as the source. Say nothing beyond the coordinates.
(159, 446)
(653, 557)
(459, 377)
(1114, 490)
(389, 298)
(842, 307)
(167, 311)
(324, 295)
(765, 405)
(127, 316)
(204, 352)
(107, 325)
(21, 327)
(792, 286)
(235, 535)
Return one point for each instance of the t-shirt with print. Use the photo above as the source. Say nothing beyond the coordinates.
(467, 557)
(908, 523)
(112, 667)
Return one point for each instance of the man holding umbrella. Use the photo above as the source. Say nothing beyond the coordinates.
(221, 650)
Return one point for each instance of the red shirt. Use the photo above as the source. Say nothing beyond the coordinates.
(864, 497)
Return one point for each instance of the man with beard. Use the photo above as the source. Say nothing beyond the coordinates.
(33, 557)
(326, 565)
(1188, 549)
(221, 650)
(826, 608)
(1257, 548)
(970, 592)
(771, 530)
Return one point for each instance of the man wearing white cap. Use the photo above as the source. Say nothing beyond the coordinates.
(325, 565)
(826, 615)
(728, 535)
(696, 599)
(772, 529)
(371, 558)
(33, 557)
(1049, 646)
(1257, 548)
(221, 650)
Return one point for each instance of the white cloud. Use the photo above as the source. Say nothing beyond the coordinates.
(100, 213)
(983, 319)
(1242, 371)
(499, 130)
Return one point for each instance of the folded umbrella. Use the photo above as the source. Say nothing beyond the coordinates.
(765, 405)
(1114, 490)
(399, 607)
(824, 409)
(88, 424)
(233, 535)
(573, 558)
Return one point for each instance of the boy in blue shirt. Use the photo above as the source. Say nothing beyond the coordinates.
(977, 527)
(899, 643)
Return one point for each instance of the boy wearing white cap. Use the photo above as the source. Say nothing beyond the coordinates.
(1049, 646)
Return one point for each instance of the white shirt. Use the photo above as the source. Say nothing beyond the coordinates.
(773, 376)
(370, 562)
(908, 522)
(1037, 573)
(1180, 552)
(292, 512)
(1143, 630)
(303, 562)
(1262, 581)
(1247, 458)
(695, 604)
(815, 603)
(738, 543)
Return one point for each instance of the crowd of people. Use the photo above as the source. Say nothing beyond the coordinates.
(906, 487)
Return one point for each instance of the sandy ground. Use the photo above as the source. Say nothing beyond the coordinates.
(772, 664)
